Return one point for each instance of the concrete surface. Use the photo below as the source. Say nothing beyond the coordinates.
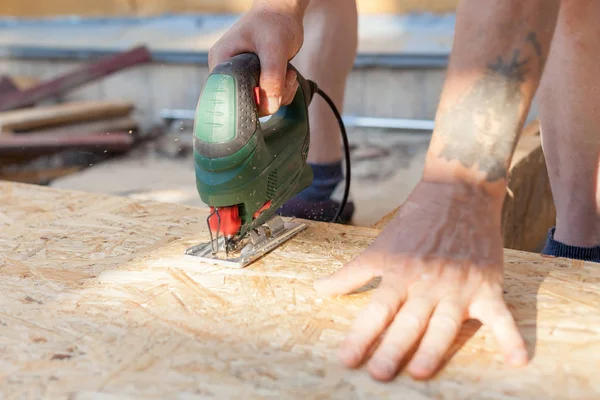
(385, 167)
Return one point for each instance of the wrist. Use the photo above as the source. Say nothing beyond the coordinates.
(441, 170)
(459, 195)
(456, 183)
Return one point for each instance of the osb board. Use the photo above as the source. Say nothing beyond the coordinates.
(98, 302)
(31, 8)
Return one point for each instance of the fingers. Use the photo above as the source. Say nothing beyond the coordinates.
(372, 321)
(291, 85)
(226, 48)
(273, 66)
(352, 276)
(494, 313)
(442, 330)
(277, 84)
(407, 327)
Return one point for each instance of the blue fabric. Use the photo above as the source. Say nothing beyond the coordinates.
(326, 178)
(314, 202)
(559, 249)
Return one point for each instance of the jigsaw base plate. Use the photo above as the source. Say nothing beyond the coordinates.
(256, 246)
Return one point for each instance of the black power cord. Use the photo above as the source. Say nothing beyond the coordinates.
(346, 151)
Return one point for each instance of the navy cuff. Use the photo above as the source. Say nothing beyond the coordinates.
(326, 177)
(558, 249)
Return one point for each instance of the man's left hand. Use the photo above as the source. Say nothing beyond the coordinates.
(440, 262)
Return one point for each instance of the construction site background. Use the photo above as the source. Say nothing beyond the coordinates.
(97, 8)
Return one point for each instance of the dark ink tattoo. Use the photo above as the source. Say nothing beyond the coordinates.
(532, 38)
(481, 128)
(512, 69)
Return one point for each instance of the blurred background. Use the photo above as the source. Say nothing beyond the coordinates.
(99, 95)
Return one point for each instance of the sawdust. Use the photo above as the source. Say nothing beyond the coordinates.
(380, 182)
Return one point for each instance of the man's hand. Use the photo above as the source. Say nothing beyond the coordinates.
(441, 262)
(275, 34)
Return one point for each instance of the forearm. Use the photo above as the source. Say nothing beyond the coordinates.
(495, 68)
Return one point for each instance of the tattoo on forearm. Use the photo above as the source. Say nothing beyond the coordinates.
(481, 128)
(533, 40)
(513, 69)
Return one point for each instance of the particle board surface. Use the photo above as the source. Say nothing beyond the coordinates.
(98, 302)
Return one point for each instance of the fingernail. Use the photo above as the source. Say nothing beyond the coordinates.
(519, 357)
(291, 80)
(422, 363)
(349, 356)
(273, 103)
(382, 367)
(293, 86)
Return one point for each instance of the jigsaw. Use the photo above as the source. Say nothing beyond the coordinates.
(247, 169)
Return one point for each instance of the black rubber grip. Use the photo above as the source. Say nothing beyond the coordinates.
(245, 69)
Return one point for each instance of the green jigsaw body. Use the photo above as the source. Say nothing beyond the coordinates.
(238, 160)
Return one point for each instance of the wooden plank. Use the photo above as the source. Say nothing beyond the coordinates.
(44, 116)
(7, 85)
(31, 8)
(38, 176)
(24, 82)
(109, 125)
(41, 144)
(81, 75)
(528, 211)
(11, 83)
(98, 302)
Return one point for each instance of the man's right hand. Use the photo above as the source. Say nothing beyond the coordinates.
(275, 34)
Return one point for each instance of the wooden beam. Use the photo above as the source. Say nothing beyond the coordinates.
(7, 85)
(24, 82)
(98, 300)
(82, 75)
(38, 176)
(40, 144)
(528, 211)
(52, 115)
(117, 124)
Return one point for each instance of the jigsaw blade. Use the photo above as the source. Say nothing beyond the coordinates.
(256, 244)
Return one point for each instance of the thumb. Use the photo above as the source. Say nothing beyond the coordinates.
(273, 67)
(351, 276)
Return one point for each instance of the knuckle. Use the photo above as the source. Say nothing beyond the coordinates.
(445, 323)
(270, 76)
(498, 314)
(413, 323)
(382, 310)
(215, 55)
(212, 57)
(502, 316)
